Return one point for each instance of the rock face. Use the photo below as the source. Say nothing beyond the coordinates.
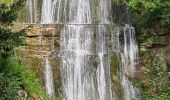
(42, 41)
(161, 46)
(165, 49)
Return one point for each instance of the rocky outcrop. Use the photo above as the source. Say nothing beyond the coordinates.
(42, 41)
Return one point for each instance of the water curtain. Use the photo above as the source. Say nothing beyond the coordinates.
(92, 31)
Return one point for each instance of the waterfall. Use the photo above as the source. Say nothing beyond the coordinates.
(104, 11)
(48, 78)
(31, 8)
(128, 57)
(78, 73)
(128, 53)
(47, 13)
(103, 69)
(87, 40)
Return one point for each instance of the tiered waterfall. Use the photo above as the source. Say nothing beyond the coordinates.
(92, 31)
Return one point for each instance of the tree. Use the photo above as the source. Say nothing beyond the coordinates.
(151, 19)
(8, 38)
(150, 13)
(13, 75)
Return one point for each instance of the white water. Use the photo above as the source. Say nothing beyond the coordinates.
(129, 58)
(104, 11)
(127, 51)
(69, 11)
(31, 8)
(85, 48)
(130, 52)
(103, 69)
(47, 13)
(78, 76)
(49, 86)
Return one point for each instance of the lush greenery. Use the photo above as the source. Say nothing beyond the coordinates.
(8, 38)
(13, 75)
(151, 18)
(156, 85)
(151, 12)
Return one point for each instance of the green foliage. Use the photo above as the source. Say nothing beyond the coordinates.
(150, 19)
(8, 38)
(8, 14)
(157, 84)
(8, 87)
(13, 75)
(147, 39)
(151, 12)
(6, 1)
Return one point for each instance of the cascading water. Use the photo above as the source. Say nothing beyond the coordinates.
(48, 78)
(104, 11)
(78, 73)
(103, 69)
(128, 59)
(87, 40)
(31, 10)
(47, 14)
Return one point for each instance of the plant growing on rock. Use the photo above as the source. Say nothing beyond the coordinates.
(156, 86)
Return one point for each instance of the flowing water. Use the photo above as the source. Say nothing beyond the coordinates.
(31, 9)
(78, 73)
(49, 86)
(87, 41)
(47, 13)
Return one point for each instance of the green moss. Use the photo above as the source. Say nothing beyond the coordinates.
(114, 65)
(6, 1)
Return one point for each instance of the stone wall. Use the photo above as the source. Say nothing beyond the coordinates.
(42, 41)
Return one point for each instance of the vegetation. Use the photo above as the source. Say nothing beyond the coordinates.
(13, 75)
(8, 38)
(6, 1)
(151, 19)
(156, 86)
(151, 13)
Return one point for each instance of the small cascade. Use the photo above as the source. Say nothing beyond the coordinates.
(129, 58)
(130, 49)
(103, 69)
(47, 13)
(127, 51)
(31, 8)
(104, 11)
(49, 86)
